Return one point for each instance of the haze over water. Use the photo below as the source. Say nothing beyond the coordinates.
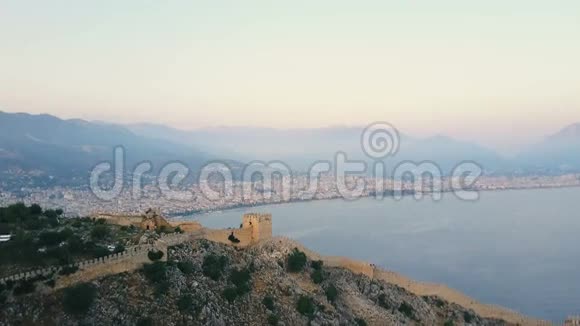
(517, 249)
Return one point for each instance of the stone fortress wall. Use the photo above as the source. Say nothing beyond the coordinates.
(419, 288)
(255, 227)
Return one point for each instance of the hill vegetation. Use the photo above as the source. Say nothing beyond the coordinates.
(205, 283)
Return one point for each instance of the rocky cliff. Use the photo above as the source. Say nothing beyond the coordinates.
(206, 283)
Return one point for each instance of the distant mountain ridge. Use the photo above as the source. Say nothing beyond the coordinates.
(62, 148)
(559, 152)
(570, 132)
(48, 145)
(302, 147)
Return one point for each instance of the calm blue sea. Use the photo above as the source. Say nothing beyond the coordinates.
(518, 249)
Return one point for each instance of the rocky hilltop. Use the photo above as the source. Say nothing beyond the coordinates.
(207, 283)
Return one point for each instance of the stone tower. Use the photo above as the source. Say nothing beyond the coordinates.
(260, 224)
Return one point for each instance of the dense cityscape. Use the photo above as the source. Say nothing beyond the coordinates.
(81, 201)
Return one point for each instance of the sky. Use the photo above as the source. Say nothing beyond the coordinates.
(503, 73)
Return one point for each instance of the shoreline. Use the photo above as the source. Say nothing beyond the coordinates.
(418, 288)
(196, 213)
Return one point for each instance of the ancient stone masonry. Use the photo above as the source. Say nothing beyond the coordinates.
(150, 220)
(255, 227)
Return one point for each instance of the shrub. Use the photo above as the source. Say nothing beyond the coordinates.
(99, 251)
(186, 267)
(155, 255)
(296, 261)
(49, 238)
(185, 302)
(317, 264)
(77, 223)
(407, 310)
(78, 299)
(145, 321)
(305, 306)
(331, 293)
(468, 317)
(360, 322)
(273, 320)
(213, 266)
(162, 229)
(76, 244)
(317, 276)
(24, 287)
(233, 238)
(449, 323)
(66, 234)
(241, 278)
(119, 248)
(383, 301)
(35, 209)
(100, 232)
(162, 288)
(178, 230)
(67, 270)
(230, 294)
(268, 301)
(156, 272)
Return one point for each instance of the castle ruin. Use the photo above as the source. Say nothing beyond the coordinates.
(254, 228)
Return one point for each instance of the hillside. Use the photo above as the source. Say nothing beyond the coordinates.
(556, 153)
(206, 283)
(299, 148)
(44, 145)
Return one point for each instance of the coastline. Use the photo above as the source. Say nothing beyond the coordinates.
(195, 213)
(416, 287)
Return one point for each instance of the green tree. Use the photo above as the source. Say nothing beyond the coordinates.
(156, 272)
(155, 255)
(100, 232)
(268, 302)
(185, 302)
(296, 261)
(305, 306)
(78, 299)
(213, 266)
(186, 267)
(273, 320)
(35, 209)
(331, 293)
(317, 276)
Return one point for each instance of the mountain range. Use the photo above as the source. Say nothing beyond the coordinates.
(299, 148)
(47, 145)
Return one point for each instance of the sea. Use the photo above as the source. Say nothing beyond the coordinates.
(519, 249)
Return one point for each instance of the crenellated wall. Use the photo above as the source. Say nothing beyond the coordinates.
(254, 228)
(123, 220)
(222, 236)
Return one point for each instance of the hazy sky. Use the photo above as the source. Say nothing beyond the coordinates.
(497, 71)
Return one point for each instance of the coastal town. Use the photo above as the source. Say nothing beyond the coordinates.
(81, 201)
